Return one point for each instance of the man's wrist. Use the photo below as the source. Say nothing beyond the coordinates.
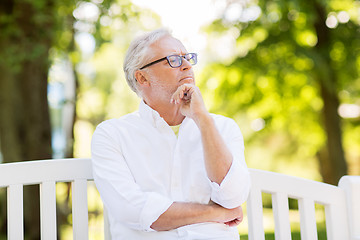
(203, 119)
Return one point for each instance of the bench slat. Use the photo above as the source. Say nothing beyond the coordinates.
(35, 172)
(280, 206)
(80, 209)
(107, 234)
(334, 216)
(255, 215)
(295, 187)
(48, 210)
(308, 227)
(15, 212)
(351, 186)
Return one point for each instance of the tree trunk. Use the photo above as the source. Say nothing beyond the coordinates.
(332, 160)
(25, 133)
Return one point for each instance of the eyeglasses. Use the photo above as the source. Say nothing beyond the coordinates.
(175, 61)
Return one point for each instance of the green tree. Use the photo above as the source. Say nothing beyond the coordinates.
(103, 92)
(33, 34)
(288, 70)
(27, 33)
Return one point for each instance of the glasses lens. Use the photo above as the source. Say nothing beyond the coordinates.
(191, 58)
(174, 61)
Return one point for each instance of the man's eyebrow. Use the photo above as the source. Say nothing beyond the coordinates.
(178, 53)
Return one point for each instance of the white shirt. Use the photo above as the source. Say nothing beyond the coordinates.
(141, 168)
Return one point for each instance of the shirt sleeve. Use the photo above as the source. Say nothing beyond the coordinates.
(234, 189)
(122, 197)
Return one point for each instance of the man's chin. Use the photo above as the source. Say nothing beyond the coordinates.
(187, 80)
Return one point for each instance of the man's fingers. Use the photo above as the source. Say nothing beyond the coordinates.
(176, 96)
(183, 92)
(234, 222)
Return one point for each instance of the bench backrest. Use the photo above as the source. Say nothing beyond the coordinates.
(307, 192)
(47, 173)
(337, 201)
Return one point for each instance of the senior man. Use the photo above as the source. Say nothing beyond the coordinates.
(170, 170)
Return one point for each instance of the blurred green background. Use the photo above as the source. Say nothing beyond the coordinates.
(288, 72)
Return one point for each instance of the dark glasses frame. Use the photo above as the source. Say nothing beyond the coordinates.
(192, 56)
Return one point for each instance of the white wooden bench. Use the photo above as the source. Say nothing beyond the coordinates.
(342, 204)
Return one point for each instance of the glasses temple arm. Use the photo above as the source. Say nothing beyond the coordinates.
(156, 61)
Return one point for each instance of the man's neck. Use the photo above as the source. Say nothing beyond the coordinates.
(169, 112)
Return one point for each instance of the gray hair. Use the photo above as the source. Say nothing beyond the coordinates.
(137, 55)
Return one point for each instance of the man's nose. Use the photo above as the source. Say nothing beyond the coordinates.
(186, 65)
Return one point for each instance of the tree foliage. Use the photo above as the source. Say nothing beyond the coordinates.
(33, 34)
(289, 68)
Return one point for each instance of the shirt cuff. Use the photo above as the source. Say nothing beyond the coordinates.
(234, 189)
(155, 205)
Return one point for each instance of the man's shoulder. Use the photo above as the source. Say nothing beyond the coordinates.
(222, 119)
(225, 123)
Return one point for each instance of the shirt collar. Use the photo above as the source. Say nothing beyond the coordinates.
(152, 116)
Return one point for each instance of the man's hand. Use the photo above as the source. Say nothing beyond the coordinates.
(230, 217)
(192, 104)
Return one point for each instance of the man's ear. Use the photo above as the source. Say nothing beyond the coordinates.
(140, 77)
